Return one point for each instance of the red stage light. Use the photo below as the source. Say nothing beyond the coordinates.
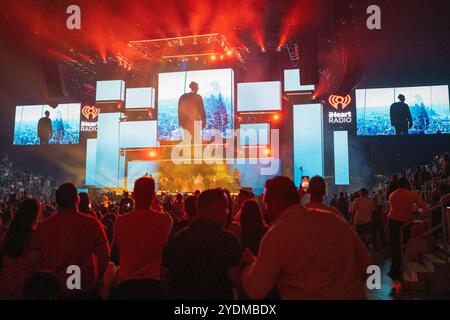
(229, 53)
(213, 57)
(152, 154)
(196, 58)
(267, 151)
(276, 117)
(221, 57)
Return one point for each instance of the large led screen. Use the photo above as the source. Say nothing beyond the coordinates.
(425, 111)
(214, 99)
(259, 96)
(42, 124)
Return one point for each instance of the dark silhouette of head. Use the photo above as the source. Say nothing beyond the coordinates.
(47, 113)
(67, 196)
(212, 205)
(363, 192)
(403, 182)
(144, 192)
(230, 206)
(193, 86)
(251, 217)
(401, 98)
(84, 202)
(190, 207)
(280, 194)
(317, 189)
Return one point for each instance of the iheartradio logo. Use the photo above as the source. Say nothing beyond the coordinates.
(335, 101)
(90, 112)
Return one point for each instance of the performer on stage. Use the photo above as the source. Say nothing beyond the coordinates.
(163, 183)
(237, 177)
(401, 118)
(198, 182)
(190, 109)
(45, 128)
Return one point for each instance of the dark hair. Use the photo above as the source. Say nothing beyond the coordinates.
(190, 206)
(208, 199)
(317, 187)
(363, 192)
(444, 188)
(84, 202)
(66, 196)
(253, 226)
(283, 189)
(42, 285)
(144, 190)
(251, 217)
(20, 232)
(403, 182)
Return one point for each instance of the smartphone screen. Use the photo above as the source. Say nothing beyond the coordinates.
(305, 183)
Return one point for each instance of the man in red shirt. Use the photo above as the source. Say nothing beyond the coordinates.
(401, 204)
(140, 237)
(70, 238)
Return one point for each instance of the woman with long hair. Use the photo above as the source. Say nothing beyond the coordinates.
(253, 226)
(15, 267)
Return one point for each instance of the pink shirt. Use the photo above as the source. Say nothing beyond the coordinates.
(140, 237)
(307, 255)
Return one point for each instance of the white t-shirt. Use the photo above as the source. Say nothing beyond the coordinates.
(363, 208)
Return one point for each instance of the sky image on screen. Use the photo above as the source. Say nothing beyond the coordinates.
(65, 120)
(429, 107)
(110, 90)
(140, 98)
(259, 96)
(216, 89)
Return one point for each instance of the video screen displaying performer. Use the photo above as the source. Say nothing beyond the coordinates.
(202, 95)
(403, 111)
(191, 109)
(43, 125)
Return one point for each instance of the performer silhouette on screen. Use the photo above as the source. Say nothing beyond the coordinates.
(191, 108)
(45, 128)
(401, 118)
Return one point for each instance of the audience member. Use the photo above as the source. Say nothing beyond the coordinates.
(140, 237)
(15, 267)
(401, 204)
(197, 262)
(71, 238)
(304, 253)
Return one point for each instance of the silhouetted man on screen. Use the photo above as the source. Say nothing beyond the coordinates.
(401, 118)
(191, 108)
(45, 128)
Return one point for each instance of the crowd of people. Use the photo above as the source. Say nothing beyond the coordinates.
(287, 244)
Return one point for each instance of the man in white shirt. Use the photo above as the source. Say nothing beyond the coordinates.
(362, 211)
(306, 255)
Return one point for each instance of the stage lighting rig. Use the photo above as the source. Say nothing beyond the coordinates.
(176, 49)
